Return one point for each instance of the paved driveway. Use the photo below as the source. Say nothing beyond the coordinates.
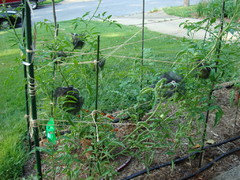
(161, 22)
(71, 9)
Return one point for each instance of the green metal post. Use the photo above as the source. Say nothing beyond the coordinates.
(31, 82)
(97, 75)
(27, 107)
(25, 77)
(23, 21)
(53, 87)
(218, 51)
(143, 32)
(55, 19)
(221, 30)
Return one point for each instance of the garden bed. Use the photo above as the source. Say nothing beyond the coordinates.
(224, 130)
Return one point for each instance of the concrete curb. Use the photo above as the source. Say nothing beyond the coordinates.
(232, 174)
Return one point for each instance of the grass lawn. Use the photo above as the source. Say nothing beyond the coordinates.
(58, 1)
(181, 11)
(119, 84)
(50, 1)
(203, 10)
(11, 109)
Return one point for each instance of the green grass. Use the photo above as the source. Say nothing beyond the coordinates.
(119, 83)
(181, 11)
(56, 1)
(11, 109)
(204, 9)
(50, 1)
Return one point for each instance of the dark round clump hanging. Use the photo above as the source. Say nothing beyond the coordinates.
(78, 40)
(173, 83)
(58, 57)
(72, 101)
(204, 70)
(101, 64)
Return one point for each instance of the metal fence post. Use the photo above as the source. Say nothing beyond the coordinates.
(25, 78)
(32, 87)
(97, 75)
(143, 32)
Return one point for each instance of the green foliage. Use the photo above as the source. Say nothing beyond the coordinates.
(212, 8)
(50, 2)
(12, 151)
(213, 53)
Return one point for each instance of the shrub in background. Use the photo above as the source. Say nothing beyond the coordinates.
(214, 8)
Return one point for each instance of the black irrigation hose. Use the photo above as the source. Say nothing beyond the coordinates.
(158, 167)
(184, 158)
(222, 142)
(211, 163)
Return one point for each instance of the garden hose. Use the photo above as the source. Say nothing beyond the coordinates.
(211, 163)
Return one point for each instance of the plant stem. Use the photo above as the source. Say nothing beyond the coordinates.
(64, 79)
(55, 19)
(217, 42)
(206, 125)
(99, 3)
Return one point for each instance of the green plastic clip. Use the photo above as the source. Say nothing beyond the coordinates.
(50, 131)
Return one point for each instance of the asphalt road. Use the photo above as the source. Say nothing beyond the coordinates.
(71, 9)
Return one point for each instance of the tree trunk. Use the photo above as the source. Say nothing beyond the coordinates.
(186, 2)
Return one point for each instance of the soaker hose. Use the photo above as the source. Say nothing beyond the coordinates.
(186, 157)
(211, 163)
